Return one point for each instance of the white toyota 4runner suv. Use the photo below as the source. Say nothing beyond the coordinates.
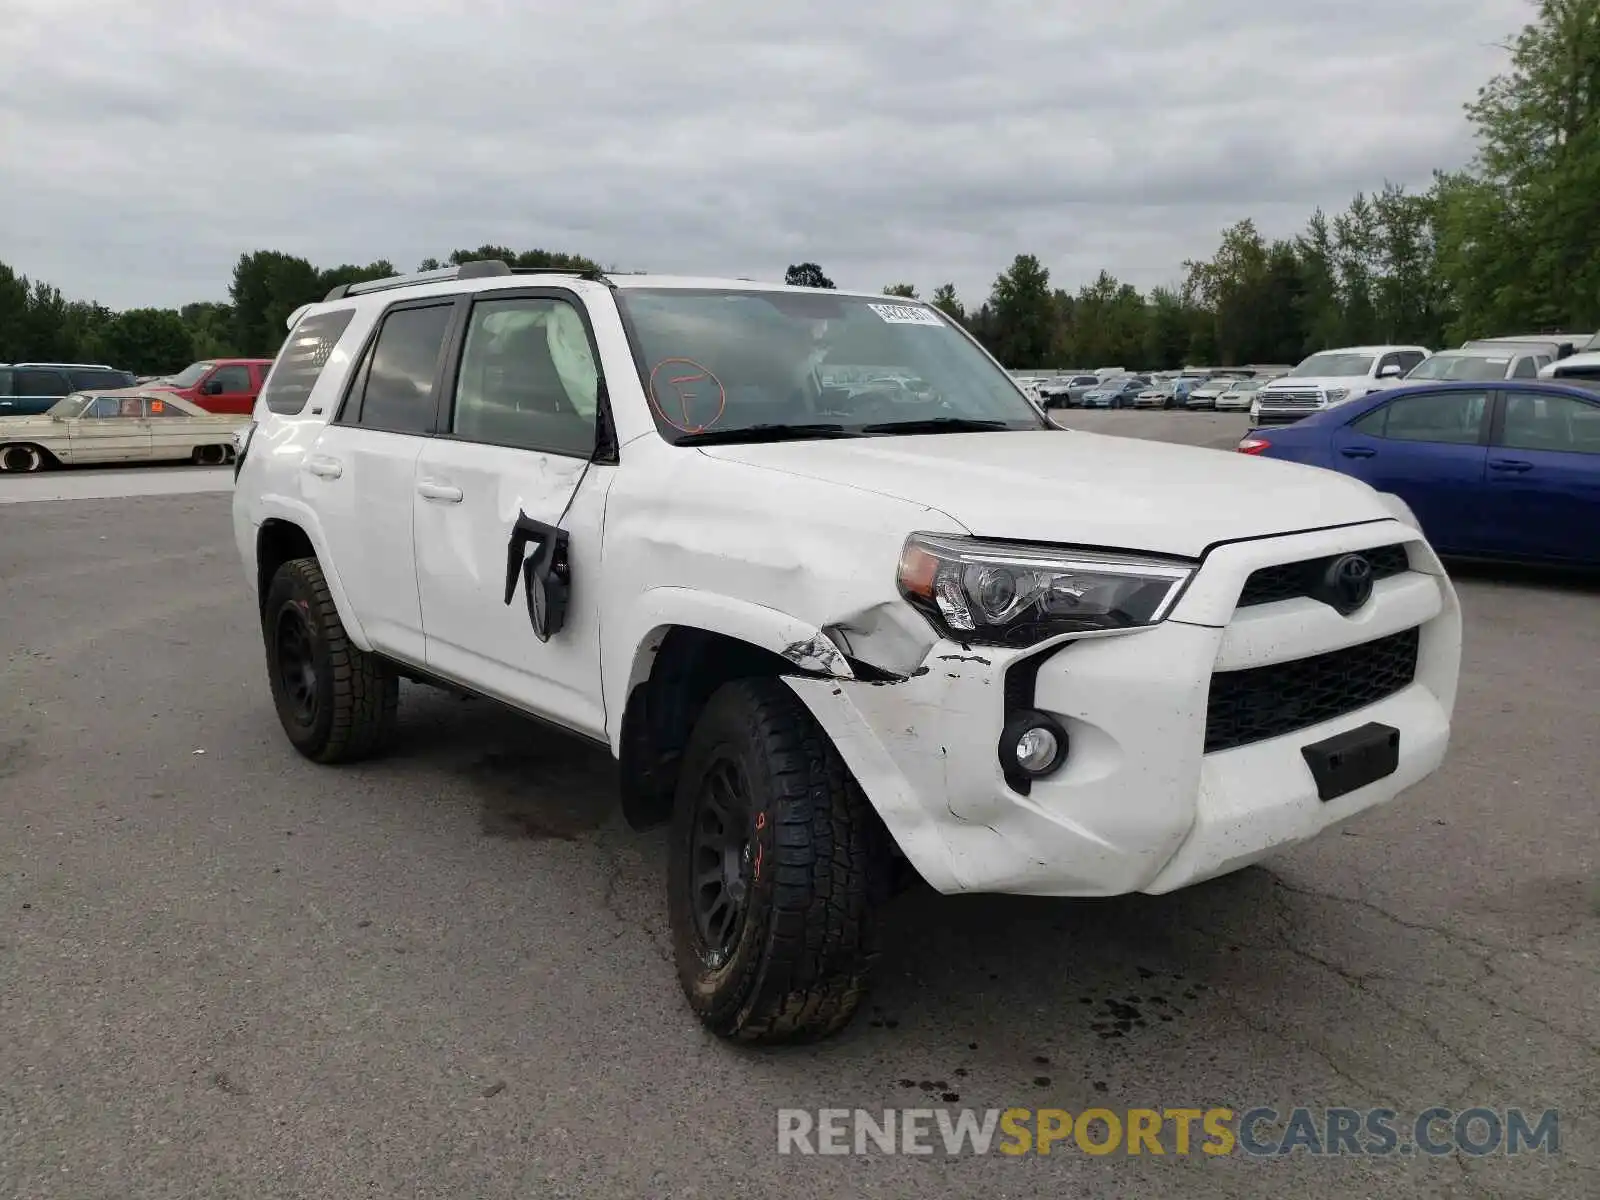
(827, 630)
(1332, 377)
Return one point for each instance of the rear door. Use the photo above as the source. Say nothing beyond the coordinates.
(360, 473)
(1429, 449)
(510, 464)
(1542, 499)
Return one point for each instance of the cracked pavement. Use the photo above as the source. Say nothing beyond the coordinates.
(227, 972)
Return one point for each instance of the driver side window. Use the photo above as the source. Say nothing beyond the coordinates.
(111, 407)
(528, 377)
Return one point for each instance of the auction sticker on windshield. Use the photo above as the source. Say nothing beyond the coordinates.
(905, 314)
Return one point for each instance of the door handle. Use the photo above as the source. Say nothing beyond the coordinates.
(439, 491)
(325, 468)
(1515, 465)
(1357, 452)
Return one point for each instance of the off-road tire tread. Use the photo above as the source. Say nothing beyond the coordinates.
(366, 690)
(830, 875)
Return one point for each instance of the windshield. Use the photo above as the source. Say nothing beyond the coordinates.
(1460, 366)
(1335, 363)
(190, 375)
(1592, 344)
(69, 406)
(1244, 385)
(722, 362)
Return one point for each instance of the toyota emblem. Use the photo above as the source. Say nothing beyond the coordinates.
(1347, 584)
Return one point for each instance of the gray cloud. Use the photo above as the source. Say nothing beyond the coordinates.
(149, 145)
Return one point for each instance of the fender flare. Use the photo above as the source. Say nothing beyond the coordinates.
(298, 513)
(659, 609)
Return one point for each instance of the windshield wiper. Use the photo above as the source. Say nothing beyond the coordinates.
(763, 433)
(937, 425)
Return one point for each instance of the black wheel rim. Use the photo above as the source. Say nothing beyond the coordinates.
(719, 861)
(297, 669)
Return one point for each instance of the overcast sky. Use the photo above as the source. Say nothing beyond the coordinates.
(147, 143)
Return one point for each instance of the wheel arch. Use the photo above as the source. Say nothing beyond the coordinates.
(47, 457)
(281, 537)
(684, 645)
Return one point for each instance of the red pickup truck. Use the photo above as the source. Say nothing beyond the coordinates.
(219, 385)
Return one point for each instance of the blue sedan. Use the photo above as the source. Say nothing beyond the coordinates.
(1497, 471)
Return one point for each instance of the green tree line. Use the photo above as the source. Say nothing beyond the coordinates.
(1510, 244)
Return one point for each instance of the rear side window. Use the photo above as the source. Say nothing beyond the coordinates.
(305, 352)
(88, 380)
(1526, 368)
(1454, 418)
(396, 384)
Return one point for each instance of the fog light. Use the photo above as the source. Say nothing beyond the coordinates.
(1032, 745)
(1037, 749)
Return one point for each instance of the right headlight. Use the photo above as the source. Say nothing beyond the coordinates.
(1005, 594)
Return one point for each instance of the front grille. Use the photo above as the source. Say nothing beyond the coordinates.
(1290, 581)
(1292, 398)
(1267, 702)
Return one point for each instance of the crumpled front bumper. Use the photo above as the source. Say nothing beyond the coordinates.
(1139, 806)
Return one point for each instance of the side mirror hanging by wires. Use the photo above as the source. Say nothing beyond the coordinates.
(546, 580)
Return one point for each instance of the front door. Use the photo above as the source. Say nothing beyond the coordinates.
(360, 473)
(1427, 448)
(518, 429)
(111, 429)
(1542, 497)
(227, 389)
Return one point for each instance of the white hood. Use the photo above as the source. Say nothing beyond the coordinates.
(1082, 488)
(1351, 383)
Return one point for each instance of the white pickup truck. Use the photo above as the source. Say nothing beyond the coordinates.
(829, 630)
(1332, 377)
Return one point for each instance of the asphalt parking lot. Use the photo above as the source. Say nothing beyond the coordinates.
(226, 972)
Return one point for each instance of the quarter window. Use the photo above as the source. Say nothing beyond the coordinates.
(1455, 418)
(528, 377)
(1542, 422)
(305, 352)
(397, 385)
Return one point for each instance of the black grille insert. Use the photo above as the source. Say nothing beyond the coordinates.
(1258, 703)
(1289, 581)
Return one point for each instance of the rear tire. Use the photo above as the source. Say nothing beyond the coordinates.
(798, 859)
(336, 702)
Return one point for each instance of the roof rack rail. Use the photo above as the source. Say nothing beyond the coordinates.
(588, 273)
(478, 268)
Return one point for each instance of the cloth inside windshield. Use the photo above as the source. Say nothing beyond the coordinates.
(1460, 366)
(1334, 365)
(719, 361)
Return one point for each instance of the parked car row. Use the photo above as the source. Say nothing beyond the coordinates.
(218, 385)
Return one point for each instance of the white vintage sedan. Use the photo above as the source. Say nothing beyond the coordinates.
(106, 427)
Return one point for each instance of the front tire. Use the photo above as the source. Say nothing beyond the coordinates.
(778, 867)
(335, 702)
(21, 459)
